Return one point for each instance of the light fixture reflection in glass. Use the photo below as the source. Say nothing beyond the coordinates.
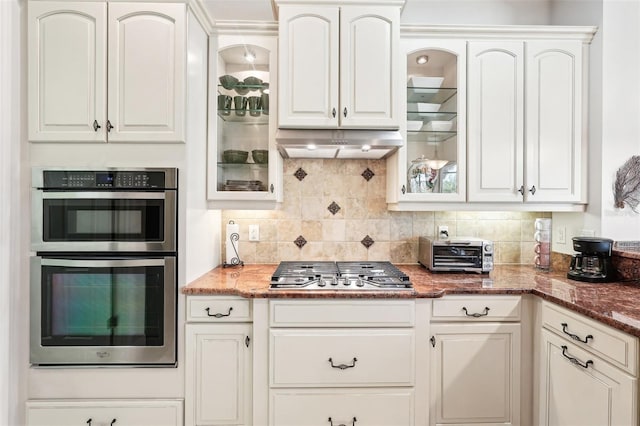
(249, 56)
(422, 59)
(436, 164)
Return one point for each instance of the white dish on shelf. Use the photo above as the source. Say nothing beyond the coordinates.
(425, 107)
(439, 126)
(414, 125)
(425, 82)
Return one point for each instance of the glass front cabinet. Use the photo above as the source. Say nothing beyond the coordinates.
(432, 164)
(244, 167)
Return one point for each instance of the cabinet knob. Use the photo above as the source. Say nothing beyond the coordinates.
(533, 190)
(333, 113)
(403, 189)
(109, 126)
(112, 422)
(89, 422)
(521, 190)
(96, 126)
(345, 111)
(271, 188)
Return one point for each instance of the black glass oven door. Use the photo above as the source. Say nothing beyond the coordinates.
(105, 221)
(104, 303)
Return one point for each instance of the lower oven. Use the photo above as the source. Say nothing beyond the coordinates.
(110, 311)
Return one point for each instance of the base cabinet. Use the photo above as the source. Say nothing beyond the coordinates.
(351, 407)
(579, 388)
(105, 412)
(218, 364)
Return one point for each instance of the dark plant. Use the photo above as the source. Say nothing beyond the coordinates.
(626, 188)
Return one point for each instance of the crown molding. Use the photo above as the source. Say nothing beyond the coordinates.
(502, 32)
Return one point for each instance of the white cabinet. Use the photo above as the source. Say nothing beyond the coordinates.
(587, 371)
(103, 72)
(525, 136)
(244, 167)
(104, 412)
(218, 365)
(338, 362)
(475, 366)
(338, 66)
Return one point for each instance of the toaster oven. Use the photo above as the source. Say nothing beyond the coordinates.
(456, 255)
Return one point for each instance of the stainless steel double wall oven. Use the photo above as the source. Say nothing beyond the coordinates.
(104, 277)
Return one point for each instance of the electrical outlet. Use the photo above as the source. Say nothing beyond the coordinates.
(562, 235)
(443, 232)
(254, 233)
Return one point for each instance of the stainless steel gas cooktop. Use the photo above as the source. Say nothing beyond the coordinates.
(339, 276)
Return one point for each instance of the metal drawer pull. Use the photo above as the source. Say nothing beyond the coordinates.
(353, 422)
(484, 313)
(219, 315)
(112, 422)
(573, 360)
(575, 336)
(343, 366)
(89, 422)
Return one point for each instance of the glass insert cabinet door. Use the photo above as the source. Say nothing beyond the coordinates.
(433, 161)
(242, 157)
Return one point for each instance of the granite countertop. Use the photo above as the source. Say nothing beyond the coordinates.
(616, 304)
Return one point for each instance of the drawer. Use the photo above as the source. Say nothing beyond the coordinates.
(615, 346)
(130, 412)
(218, 309)
(342, 313)
(341, 357)
(301, 407)
(476, 308)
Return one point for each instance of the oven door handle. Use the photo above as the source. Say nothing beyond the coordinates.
(109, 263)
(141, 195)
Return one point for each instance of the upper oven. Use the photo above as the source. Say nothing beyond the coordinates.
(111, 210)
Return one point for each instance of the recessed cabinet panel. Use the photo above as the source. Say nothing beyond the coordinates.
(146, 80)
(309, 53)
(554, 105)
(496, 145)
(67, 71)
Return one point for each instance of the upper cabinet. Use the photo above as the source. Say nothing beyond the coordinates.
(526, 139)
(245, 169)
(432, 164)
(103, 72)
(339, 65)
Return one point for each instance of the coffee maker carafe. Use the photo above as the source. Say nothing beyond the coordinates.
(593, 261)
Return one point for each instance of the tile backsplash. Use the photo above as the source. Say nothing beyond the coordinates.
(337, 210)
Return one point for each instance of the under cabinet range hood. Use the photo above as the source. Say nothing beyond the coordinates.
(342, 144)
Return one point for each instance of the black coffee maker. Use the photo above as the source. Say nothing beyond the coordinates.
(593, 262)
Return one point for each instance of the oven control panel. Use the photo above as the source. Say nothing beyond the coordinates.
(108, 179)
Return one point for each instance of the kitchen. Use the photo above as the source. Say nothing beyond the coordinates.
(608, 122)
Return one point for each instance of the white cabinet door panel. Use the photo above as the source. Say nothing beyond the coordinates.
(308, 49)
(554, 117)
(67, 71)
(146, 79)
(591, 394)
(495, 121)
(369, 58)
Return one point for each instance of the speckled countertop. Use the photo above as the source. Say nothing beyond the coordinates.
(615, 304)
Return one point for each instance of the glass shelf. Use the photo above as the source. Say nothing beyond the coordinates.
(247, 118)
(436, 95)
(430, 116)
(422, 136)
(243, 89)
(243, 165)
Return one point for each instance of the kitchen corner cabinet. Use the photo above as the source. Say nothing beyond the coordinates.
(475, 366)
(588, 372)
(244, 166)
(104, 412)
(106, 71)
(431, 166)
(525, 121)
(218, 365)
(339, 65)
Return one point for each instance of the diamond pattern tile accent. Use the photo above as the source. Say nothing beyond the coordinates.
(368, 174)
(367, 241)
(333, 207)
(300, 241)
(300, 174)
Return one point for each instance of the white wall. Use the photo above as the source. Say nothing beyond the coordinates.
(12, 389)
(477, 12)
